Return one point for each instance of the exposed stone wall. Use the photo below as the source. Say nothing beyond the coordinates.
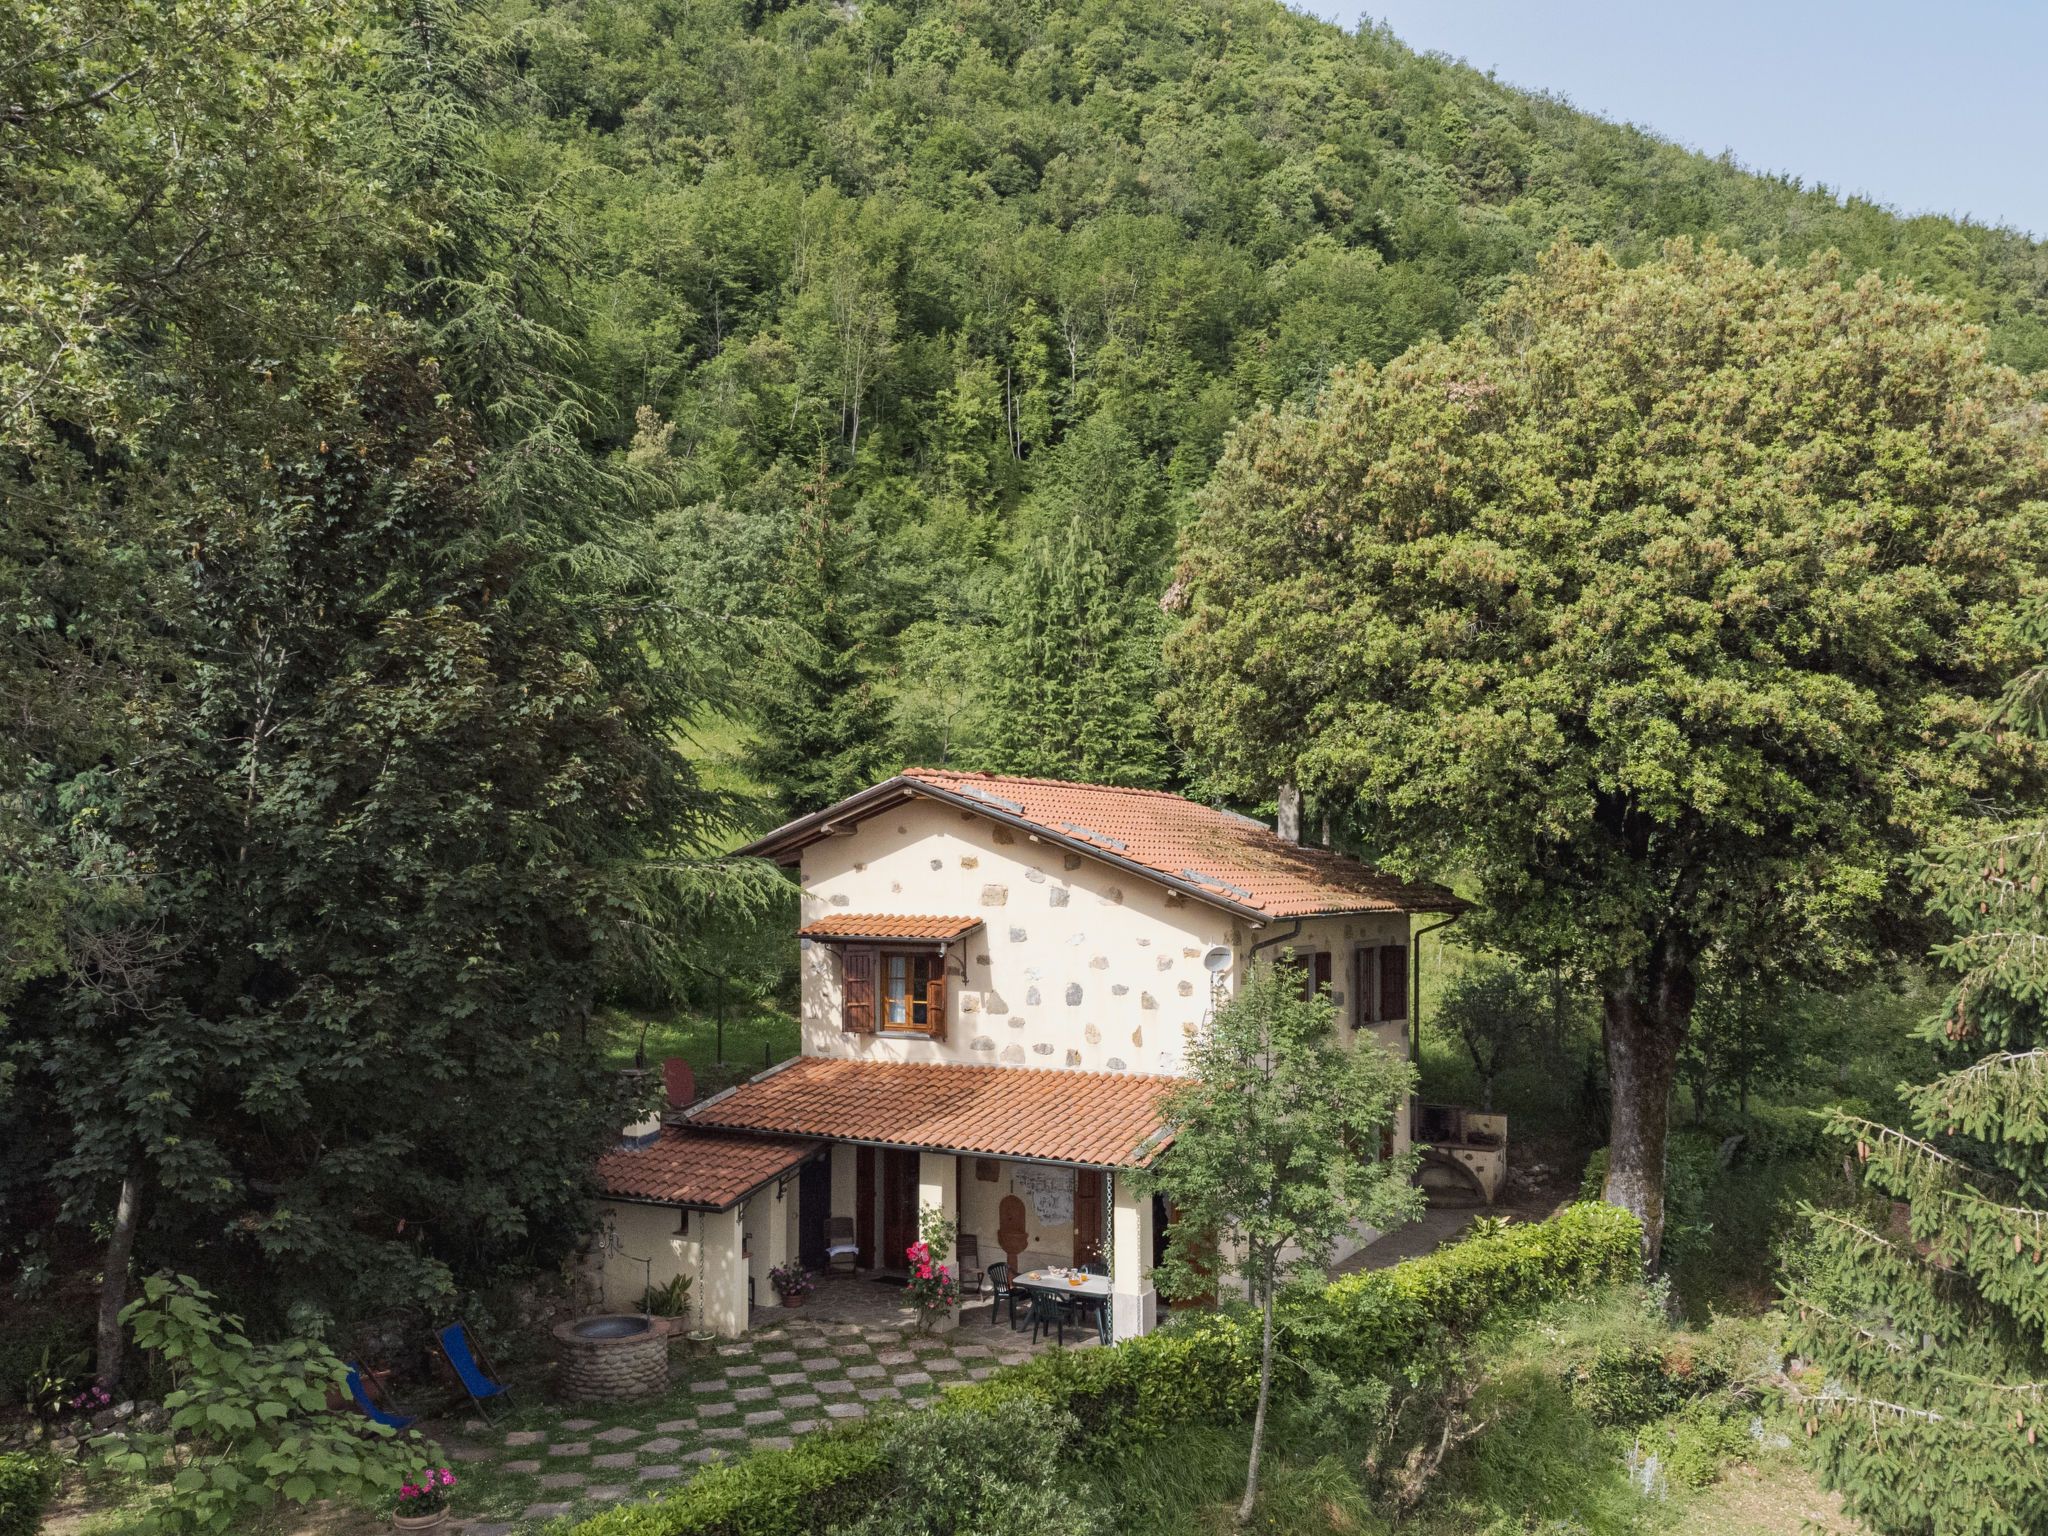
(1079, 964)
(611, 1370)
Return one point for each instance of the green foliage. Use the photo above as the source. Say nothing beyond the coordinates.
(1276, 1141)
(1630, 1384)
(1198, 1373)
(1072, 669)
(977, 1474)
(669, 1299)
(250, 1424)
(26, 1483)
(1922, 1311)
(1540, 1459)
(1410, 597)
(1704, 1437)
(1692, 1173)
(1494, 1007)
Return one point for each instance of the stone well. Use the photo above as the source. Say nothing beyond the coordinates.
(617, 1358)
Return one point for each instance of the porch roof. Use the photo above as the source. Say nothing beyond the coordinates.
(1092, 1119)
(699, 1169)
(842, 927)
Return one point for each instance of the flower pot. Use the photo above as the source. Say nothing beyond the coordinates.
(432, 1522)
(792, 1301)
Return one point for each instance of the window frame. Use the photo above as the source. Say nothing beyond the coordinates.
(934, 959)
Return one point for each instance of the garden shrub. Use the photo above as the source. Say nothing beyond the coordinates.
(26, 1483)
(1199, 1370)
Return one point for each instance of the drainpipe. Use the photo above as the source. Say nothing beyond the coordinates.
(1278, 938)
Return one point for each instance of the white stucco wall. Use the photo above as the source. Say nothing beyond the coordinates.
(1079, 964)
(629, 1234)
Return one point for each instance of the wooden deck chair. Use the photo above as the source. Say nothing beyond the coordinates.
(484, 1392)
(361, 1393)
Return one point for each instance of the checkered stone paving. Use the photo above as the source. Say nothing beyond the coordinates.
(764, 1392)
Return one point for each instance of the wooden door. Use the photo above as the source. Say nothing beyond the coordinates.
(864, 1205)
(1200, 1250)
(1088, 1246)
(899, 1207)
(1012, 1236)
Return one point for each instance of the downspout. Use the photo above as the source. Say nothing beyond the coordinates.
(1278, 938)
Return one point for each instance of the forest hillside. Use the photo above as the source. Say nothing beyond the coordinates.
(984, 285)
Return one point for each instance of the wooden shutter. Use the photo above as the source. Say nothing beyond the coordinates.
(1322, 970)
(864, 1205)
(1087, 1217)
(857, 974)
(935, 1001)
(1365, 981)
(1393, 981)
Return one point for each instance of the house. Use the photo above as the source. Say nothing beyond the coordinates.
(999, 979)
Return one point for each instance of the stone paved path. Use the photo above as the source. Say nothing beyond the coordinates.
(764, 1391)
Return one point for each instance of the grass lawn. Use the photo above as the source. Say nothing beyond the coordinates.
(755, 1036)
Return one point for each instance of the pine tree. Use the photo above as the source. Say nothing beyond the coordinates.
(1071, 695)
(1923, 1313)
(822, 727)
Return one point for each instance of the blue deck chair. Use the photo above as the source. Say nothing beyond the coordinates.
(361, 1394)
(481, 1389)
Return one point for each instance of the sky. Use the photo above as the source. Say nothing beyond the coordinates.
(1938, 108)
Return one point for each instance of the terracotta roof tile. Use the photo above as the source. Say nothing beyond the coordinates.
(687, 1166)
(1103, 1119)
(1234, 857)
(867, 925)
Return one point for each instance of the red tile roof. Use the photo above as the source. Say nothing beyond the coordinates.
(1229, 860)
(860, 925)
(687, 1166)
(1101, 1119)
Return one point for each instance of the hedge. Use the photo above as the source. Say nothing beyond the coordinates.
(26, 1483)
(1203, 1369)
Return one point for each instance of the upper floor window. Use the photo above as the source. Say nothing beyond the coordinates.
(907, 991)
(893, 991)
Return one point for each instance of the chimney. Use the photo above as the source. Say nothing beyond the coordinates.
(1290, 812)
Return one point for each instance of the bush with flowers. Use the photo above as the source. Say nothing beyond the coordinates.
(934, 1289)
(791, 1279)
(427, 1495)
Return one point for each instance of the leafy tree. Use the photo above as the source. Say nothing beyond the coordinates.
(1071, 684)
(250, 1423)
(1747, 1032)
(1494, 1008)
(1921, 1312)
(1275, 1155)
(1658, 605)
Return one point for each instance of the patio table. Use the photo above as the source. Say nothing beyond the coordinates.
(1093, 1288)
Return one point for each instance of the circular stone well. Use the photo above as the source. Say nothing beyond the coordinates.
(617, 1358)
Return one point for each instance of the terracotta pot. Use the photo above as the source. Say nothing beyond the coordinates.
(792, 1301)
(432, 1522)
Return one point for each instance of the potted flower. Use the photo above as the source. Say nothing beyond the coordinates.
(934, 1289)
(423, 1504)
(792, 1283)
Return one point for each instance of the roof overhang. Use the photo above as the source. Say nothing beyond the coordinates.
(785, 845)
(693, 1190)
(960, 1110)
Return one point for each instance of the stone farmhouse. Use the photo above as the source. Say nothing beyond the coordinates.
(999, 978)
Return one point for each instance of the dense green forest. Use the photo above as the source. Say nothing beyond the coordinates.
(1002, 276)
(823, 388)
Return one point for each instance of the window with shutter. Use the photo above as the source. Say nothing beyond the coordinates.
(913, 993)
(1365, 985)
(1393, 982)
(857, 990)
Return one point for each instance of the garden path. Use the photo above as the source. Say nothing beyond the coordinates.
(778, 1383)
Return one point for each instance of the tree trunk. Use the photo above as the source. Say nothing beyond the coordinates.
(114, 1284)
(1251, 1477)
(1646, 1011)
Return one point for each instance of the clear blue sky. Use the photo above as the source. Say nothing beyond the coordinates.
(1934, 108)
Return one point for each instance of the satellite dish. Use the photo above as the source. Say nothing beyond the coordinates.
(1217, 960)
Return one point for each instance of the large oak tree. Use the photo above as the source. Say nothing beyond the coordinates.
(1657, 606)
